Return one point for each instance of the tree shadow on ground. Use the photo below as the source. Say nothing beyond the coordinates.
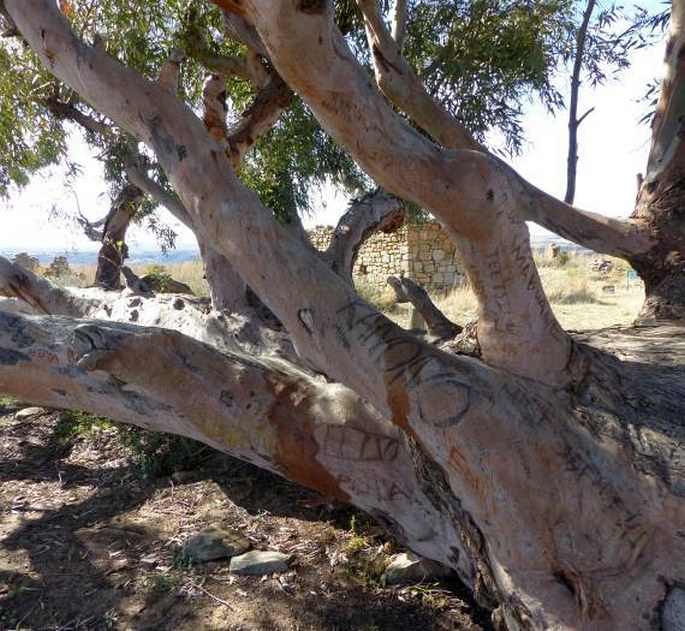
(95, 545)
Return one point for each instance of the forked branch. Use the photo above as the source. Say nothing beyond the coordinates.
(475, 198)
(437, 323)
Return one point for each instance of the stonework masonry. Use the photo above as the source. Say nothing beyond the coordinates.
(423, 252)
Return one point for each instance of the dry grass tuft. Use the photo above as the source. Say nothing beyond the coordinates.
(580, 297)
(189, 272)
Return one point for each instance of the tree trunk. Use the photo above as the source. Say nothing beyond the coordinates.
(549, 523)
(660, 207)
(114, 249)
(573, 120)
(548, 473)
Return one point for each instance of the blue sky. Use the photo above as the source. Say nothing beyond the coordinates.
(612, 151)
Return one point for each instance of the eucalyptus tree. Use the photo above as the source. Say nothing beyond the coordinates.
(545, 468)
(604, 39)
(284, 154)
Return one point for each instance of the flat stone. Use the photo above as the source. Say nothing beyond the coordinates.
(215, 543)
(258, 563)
(407, 567)
(149, 560)
(29, 412)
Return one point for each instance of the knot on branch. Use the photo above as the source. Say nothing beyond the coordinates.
(90, 344)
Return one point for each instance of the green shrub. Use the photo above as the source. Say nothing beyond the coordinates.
(154, 453)
(562, 258)
(75, 423)
(27, 261)
(157, 278)
(382, 297)
(157, 453)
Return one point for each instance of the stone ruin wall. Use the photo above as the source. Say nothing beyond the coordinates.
(422, 252)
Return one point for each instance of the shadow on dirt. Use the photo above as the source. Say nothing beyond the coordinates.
(87, 542)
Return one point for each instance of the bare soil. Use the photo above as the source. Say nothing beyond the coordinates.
(88, 541)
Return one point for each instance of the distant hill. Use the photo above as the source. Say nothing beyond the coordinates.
(83, 258)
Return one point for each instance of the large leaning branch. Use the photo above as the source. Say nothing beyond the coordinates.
(263, 411)
(42, 295)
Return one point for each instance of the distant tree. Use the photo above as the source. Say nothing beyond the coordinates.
(23, 259)
(604, 39)
(58, 267)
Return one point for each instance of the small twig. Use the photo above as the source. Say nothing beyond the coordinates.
(221, 601)
(584, 116)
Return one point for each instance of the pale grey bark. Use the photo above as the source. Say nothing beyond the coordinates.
(398, 81)
(545, 479)
(42, 295)
(437, 324)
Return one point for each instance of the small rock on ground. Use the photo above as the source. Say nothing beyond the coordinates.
(407, 567)
(215, 543)
(257, 562)
(29, 412)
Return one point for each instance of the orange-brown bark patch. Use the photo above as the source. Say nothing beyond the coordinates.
(398, 402)
(474, 481)
(296, 448)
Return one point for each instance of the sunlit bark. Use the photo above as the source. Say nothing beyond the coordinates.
(661, 199)
(549, 475)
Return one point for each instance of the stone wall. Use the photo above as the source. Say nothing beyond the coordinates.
(422, 252)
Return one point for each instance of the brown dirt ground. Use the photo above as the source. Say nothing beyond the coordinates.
(89, 542)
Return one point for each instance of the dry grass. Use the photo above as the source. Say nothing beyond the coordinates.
(459, 304)
(189, 272)
(580, 298)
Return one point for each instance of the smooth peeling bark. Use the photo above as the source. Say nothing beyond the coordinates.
(169, 127)
(402, 86)
(406, 290)
(374, 212)
(259, 117)
(602, 548)
(660, 207)
(40, 294)
(565, 531)
(226, 286)
(263, 411)
(340, 332)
